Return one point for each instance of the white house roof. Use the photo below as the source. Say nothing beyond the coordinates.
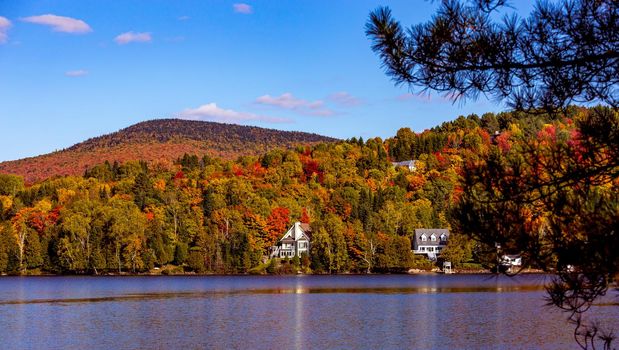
(297, 232)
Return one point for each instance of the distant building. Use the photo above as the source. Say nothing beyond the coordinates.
(511, 260)
(410, 164)
(430, 241)
(294, 243)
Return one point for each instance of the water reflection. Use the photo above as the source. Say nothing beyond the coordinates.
(298, 315)
(344, 312)
(298, 290)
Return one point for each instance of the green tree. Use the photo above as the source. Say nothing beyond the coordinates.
(195, 260)
(458, 251)
(10, 185)
(321, 251)
(180, 253)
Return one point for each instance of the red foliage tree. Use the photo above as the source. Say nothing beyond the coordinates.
(277, 224)
(305, 218)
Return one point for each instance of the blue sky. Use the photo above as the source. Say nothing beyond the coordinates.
(71, 70)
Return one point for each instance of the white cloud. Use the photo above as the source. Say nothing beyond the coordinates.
(288, 101)
(183, 18)
(243, 8)
(133, 37)
(76, 73)
(5, 24)
(60, 23)
(345, 99)
(212, 112)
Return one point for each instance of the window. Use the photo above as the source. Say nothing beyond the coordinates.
(424, 237)
(443, 237)
(433, 238)
(423, 249)
(430, 249)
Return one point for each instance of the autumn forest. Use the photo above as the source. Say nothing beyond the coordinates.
(208, 214)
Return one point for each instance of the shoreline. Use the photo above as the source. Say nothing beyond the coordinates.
(146, 274)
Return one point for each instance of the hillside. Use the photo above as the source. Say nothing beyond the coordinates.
(162, 140)
(224, 216)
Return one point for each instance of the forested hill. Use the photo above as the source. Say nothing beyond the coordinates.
(159, 141)
(215, 215)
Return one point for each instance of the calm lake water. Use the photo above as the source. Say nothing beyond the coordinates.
(292, 312)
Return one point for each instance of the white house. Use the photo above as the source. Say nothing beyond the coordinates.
(410, 164)
(430, 241)
(294, 243)
(511, 260)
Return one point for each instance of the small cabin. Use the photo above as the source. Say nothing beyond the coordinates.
(430, 241)
(295, 242)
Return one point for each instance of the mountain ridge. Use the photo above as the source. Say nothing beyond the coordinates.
(159, 140)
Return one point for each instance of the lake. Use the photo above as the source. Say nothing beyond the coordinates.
(284, 312)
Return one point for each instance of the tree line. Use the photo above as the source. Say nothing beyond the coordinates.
(210, 215)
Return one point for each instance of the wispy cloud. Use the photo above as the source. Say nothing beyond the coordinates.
(5, 24)
(184, 18)
(425, 98)
(243, 8)
(60, 23)
(343, 98)
(212, 112)
(288, 101)
(133, 37)
(76, 73)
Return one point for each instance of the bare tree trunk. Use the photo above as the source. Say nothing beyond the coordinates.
(175, 225)
(21, 232)
(367, 260)
(118, 258)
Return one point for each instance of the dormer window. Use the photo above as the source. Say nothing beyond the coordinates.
(424, 237)
(443, 238)
(433, 237)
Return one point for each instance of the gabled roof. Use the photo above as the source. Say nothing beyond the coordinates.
(428, 232)
(296, 232)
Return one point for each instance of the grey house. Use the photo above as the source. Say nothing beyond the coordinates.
(410, 164)
(294, 243)
(430, 241)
